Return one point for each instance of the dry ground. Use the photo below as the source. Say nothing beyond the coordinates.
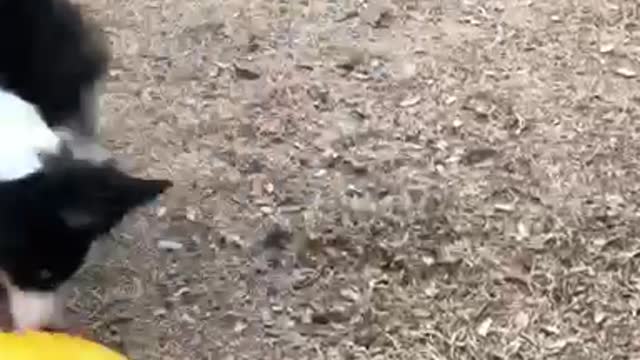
(374, 180)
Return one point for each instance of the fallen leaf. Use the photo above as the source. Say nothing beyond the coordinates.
(244, 72)
(169, 245)
(521, 320)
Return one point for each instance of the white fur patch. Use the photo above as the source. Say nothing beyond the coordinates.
(23, 136)
(83, 148)
(34, 310)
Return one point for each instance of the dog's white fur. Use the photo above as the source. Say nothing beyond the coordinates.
(30, 310)
(23, 137)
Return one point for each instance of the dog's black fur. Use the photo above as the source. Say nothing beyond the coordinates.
(53, 205)
(53, 57)
(49, 219)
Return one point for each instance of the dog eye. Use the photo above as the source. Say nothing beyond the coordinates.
(45, 274)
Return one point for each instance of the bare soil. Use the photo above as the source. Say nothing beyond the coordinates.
(373, 180)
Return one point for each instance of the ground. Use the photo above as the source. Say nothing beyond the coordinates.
(373, 180)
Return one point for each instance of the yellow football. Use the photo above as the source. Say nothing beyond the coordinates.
(39, 345)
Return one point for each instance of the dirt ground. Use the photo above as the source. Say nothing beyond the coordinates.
(374, 180)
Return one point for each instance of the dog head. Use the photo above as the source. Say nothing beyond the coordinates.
(53, 205)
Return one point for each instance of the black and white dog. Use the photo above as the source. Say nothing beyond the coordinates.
(54, 58)
(56, 198)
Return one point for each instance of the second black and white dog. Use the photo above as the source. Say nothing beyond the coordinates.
(56, 198)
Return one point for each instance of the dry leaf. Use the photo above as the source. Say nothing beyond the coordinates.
(411, 101)
(244, 72)
(626, 72)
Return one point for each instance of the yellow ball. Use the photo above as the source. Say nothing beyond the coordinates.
(38, 345)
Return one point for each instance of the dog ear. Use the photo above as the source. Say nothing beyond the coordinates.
(98, 197)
